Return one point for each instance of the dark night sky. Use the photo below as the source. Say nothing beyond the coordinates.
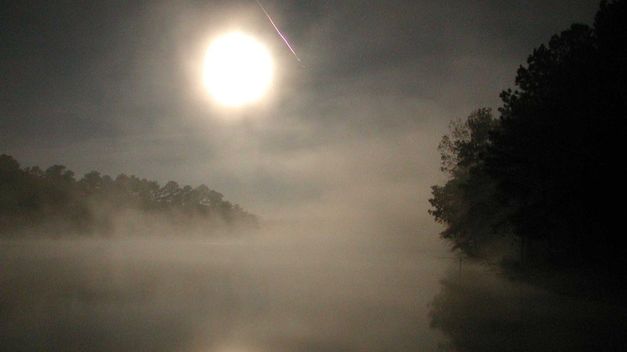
(349, 139)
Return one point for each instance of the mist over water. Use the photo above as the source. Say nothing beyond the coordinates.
(263, 293)
(280, 290)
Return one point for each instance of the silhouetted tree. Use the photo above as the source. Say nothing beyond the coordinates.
(557, 155)
(12, 186)
(467, 204)
(53, 202)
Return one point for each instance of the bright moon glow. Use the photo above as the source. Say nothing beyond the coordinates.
(238, 69)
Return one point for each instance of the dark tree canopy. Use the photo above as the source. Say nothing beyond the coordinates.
(53, 202)
(560, 139)
(551, 167)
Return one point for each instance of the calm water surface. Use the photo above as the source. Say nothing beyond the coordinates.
(222, 296)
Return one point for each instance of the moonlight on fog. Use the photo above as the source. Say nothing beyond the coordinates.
(238, 70)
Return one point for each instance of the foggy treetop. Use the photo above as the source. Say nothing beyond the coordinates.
(54, 203)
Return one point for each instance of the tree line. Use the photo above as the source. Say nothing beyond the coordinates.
(547, 170)
(53, 202)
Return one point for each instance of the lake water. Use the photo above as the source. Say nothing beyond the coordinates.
(259, 295)
(222, 296)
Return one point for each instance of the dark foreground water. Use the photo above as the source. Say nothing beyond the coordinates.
(229, 296)
(258, 296)
(481, 312)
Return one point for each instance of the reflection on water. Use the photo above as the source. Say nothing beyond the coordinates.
(480, 311)
(97, 295)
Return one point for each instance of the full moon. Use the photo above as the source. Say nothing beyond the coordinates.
(238, 70)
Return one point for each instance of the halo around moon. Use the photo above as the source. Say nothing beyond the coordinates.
(238, 70)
